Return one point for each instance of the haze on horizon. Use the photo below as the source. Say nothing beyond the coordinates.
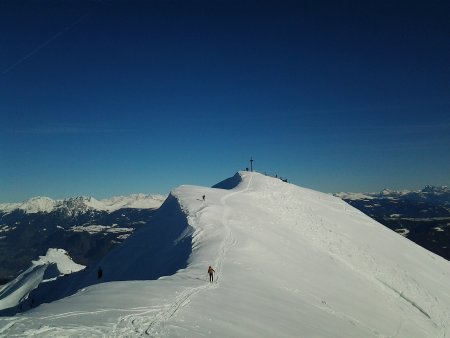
(105, 98)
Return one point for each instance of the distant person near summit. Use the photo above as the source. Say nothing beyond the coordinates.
(211, 274)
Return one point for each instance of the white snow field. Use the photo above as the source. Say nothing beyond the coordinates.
(290, 262)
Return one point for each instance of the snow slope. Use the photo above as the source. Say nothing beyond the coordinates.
(54, 264)
(290, 262)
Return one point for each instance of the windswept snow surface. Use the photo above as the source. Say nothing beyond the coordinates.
(290, 262)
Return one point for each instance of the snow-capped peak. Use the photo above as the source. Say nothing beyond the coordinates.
(435, 189)
(387, 193)
(61, 258)
(80, 204)
(288, 261)
(33, 205)
(54, 264)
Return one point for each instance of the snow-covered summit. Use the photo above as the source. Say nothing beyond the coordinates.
(61, 258)
(80, 204)
(289, 261)
(46, 268)
(33, 205)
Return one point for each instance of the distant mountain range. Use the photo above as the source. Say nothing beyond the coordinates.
(423, 216)
(81, 204)
(88, 228)
(288, 262)
(85, 227)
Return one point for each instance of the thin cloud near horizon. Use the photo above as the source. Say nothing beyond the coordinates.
(66, 130)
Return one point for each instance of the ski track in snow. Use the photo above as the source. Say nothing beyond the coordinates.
(316, 301)
(325, 238)
(324, 235)
(134, 323)
(323, 232)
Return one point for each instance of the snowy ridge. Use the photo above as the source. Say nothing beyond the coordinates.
(49, 267)
(151, 252)
(76, 205)
(61, 258)
(290, 262)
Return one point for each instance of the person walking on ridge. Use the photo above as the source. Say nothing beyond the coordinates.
(211, 274)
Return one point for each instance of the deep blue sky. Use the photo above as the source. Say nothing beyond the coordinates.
(105, 98)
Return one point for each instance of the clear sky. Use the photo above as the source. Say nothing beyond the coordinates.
(105, 98)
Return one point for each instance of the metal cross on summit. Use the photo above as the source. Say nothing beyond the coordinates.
(251, 163)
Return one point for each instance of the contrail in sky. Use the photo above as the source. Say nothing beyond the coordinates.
(45, 43)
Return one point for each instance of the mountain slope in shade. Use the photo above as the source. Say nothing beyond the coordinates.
(54, 264)
(290, 262)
